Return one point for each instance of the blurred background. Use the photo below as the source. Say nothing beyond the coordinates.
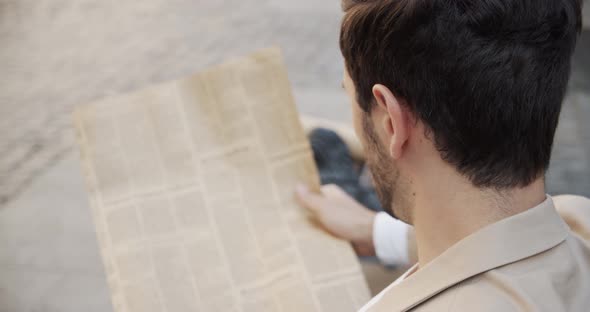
(57, 54)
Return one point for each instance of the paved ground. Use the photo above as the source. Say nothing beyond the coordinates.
(60, 53)
(56, 54)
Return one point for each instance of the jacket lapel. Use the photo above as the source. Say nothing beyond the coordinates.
(507, 241)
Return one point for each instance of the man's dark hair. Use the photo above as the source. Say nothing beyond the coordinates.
(487, 77)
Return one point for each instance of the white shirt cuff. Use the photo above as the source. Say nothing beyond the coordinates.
(390, 239)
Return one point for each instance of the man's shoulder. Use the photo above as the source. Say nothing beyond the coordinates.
(575, 210)
(480, 293)
(474, 294)
(555, 280)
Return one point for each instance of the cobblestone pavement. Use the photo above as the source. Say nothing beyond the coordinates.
(56, 54)
(60, 53)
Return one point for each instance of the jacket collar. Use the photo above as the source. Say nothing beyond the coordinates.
(512, 239)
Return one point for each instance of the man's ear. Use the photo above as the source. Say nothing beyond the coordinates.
(395, 121)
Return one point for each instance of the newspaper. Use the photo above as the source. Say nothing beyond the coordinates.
(191, 185)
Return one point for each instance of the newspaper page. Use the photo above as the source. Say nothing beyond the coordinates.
(191, 186)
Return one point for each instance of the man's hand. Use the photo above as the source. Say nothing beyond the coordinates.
(341, 215)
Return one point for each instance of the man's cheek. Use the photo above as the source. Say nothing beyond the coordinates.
(358, 125)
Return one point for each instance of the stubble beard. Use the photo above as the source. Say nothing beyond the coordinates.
(386, 176)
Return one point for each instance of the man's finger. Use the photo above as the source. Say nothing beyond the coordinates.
(332, 189)
(308, 199)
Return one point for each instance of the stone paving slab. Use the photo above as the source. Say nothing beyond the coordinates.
(49, 256)
(60, 53)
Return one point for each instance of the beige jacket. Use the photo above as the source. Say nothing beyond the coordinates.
(529, 262)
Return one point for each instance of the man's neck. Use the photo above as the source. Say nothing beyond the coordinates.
(449, 212)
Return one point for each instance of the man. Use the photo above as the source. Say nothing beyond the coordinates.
(456, 104)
